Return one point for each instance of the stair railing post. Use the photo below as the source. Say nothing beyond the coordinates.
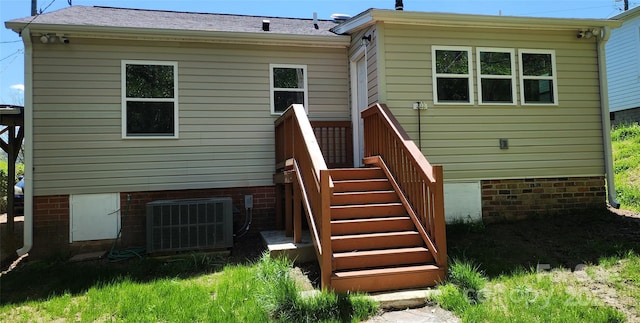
(439, 221)
(326, 267)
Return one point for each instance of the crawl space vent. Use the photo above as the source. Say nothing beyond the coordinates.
(179, 225)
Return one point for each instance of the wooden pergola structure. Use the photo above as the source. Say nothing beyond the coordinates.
(12, 123)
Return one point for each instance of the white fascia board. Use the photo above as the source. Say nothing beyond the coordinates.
(467, 20)
(151, 34)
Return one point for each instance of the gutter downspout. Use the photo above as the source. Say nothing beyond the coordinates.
(28, 143)
(605, 33)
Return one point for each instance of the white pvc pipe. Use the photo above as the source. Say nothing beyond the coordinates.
(28, 143)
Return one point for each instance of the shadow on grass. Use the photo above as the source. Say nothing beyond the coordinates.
(561, 241)
(39, 280)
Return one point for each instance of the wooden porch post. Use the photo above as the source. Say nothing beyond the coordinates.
(288, 203)
(297, 212)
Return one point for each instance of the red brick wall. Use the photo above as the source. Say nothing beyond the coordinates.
(50, 225)
(51, 217)
(519, 198)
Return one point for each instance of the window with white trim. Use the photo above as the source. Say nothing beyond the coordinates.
(538, 77)
(452, 81)
(288, 86)
(149, 99)
(496, 76)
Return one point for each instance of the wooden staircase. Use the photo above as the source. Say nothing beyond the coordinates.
(375, 243)
(373, 229)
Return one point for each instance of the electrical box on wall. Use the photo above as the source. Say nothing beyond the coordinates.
(419, 105)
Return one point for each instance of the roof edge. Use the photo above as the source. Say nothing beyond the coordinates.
(626, 15)
(131, 33)
(372, 16)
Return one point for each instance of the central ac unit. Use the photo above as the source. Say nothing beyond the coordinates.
(192, 224)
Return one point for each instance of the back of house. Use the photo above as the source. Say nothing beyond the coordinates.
(125, 107)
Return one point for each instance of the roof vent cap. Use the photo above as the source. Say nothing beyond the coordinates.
(340, 17)
(265, 25)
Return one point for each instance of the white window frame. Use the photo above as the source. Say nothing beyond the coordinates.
(512, 77)
(175, 100)
(436, 75)
(553, 78)
(272, 89)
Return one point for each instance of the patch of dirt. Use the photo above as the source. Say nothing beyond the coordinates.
(559, 240)
(595, 285)
(570, 244)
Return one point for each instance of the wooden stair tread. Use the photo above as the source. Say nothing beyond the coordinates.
(383, 271)
(379, 252)
(375, 235)
(369, 205)
(365, 192)
(364, 220)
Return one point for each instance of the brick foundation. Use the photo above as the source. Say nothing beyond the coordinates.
(51, 217)
(50, 226)
(520, 198)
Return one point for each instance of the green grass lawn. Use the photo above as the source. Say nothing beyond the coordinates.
(593, 257)
(259, 292)
(625, 140)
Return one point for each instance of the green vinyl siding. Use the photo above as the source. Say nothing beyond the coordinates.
(544, 141)
(226, 128)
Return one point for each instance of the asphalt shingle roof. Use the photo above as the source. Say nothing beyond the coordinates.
(173, 20)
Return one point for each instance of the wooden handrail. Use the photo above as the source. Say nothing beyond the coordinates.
(419, 181)
(297, 143)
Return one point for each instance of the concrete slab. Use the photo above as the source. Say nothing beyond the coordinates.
(279, 244)
(400, 300)
(427, 314)
(88, 256)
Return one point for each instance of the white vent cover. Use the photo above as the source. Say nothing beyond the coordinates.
(179, 225)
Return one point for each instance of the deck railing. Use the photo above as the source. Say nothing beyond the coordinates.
(336, 142)
(298, 152)
(419, 181)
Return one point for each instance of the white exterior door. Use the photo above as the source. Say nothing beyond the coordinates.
(94, 216)
(360, 101)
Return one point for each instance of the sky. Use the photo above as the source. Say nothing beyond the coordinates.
(12, 49)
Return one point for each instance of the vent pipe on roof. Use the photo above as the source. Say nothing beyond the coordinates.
(399, 5)
(315, 20)
(265, 25)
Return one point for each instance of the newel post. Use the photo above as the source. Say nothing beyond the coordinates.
(440, 226)
(326, 267)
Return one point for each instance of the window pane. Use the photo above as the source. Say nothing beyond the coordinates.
(537, 65)
(452, 62)
(492, 63)
(283, 99)
(149, 81)
(453, 89)
(288, 78)
(538, 91)
(496, 91)
(144, 118)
